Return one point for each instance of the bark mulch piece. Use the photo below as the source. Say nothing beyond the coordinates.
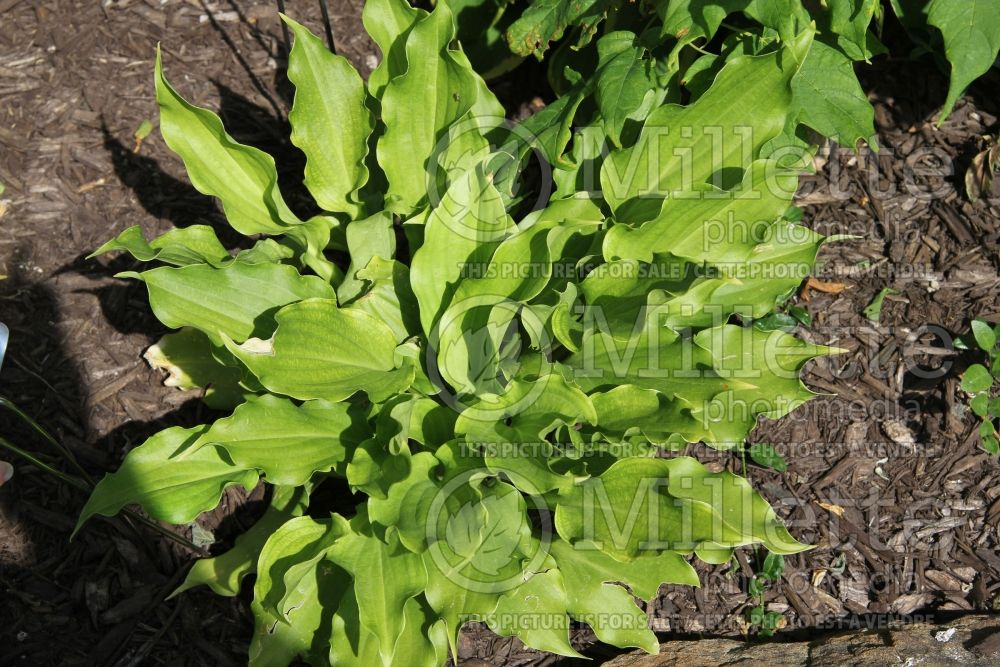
(886, 478)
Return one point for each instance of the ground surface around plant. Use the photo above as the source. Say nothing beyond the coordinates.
(884, 474)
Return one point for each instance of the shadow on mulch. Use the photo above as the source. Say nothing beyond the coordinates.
(130, 569)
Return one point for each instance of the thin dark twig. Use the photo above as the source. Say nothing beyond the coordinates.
(254, 80)
(327, 26)
(284, 27)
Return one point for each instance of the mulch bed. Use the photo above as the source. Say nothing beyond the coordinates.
(885, 474)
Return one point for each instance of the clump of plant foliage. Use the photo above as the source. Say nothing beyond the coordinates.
(498, 387)
(979, 381)
(613, 53)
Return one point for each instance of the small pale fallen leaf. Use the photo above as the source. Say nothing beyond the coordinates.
(879, 470)
(202, 537)
(944, 635)
(899, 433)
(979, 176)
(87, 187)
(820, 286)
(833, 509)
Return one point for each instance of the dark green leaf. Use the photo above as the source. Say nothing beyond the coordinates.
(764, 454)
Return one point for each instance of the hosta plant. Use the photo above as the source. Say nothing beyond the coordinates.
(463, 408)
(625, 55)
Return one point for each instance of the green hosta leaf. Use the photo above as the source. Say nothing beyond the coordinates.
(585, 583)
(710, 225)
(481, 28)
(189, 359)
(350, 643)
(267, 251)
(512, 428)
(308, 241)
(389, 297)
(463, 230)
(477, 558)
(407, 502)
(627, 511)
(196, 244)
(389, 23)
(235, 301)
(545, 21)
(417, 418)
(728, 375)
(290, 556)
(171, 477)
(847, 22)
(829, 99)
(787, 256)
(689, 20)
(680, 148)
(550, 129)
(542, 596)
(628, 410)
(622, 81)
(579, 178)
(366, 239)
(741, 508)
(224, 573)
(288, 443)
(985, 337)
(415, 123)
(325, 352)
(525, 412)
(786, 17)
(386, 576)
(423, 639)
(469, 348)
(596, 598)
(768, 363)
(329, 120)
(644, 505)
(971, 31)
(976, 379)
(294, 587)
(242, 177)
